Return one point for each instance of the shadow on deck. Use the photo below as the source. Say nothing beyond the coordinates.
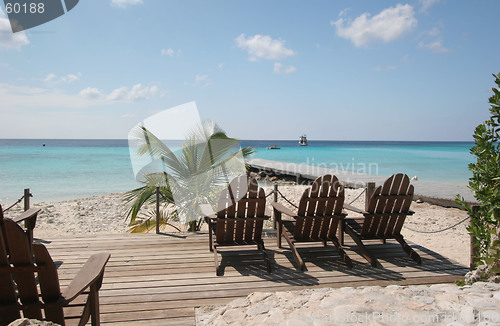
(159, 279)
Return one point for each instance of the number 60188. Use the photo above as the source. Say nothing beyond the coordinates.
(25, 8)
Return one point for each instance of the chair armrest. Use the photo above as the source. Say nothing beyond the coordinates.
(32, 212)
(282, 209)
(90, 273)
(354, 209)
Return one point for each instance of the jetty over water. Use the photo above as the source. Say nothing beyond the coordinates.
(433, 192)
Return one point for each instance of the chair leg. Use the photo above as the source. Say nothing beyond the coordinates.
(94, 306)
(210, 240)
(216, 262)
(341, 231)
(91, 308)
(295, 253)
(86, 313)
(262, 249)
(342, 253)
(409, 250)
(280, 231)
(364, 252)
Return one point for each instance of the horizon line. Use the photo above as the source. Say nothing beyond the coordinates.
(313, 140)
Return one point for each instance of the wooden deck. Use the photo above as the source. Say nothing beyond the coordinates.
(160, 279)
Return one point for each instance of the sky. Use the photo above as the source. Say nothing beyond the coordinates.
(334, 70)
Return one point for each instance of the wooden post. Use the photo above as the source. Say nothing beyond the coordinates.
(370, 189)
(157, 210)
(275, 199)
(473, 248)
(27, 199)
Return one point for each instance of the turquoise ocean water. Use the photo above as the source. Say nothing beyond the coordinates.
(68, 169)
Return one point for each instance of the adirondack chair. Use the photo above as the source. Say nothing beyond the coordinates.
(239, 218)
(26, 270)
(28, 217)
(384, 217)
(318, 218)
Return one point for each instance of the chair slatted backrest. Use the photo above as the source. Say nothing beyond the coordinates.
(241, 212)
(8, 298)
(19, 270)
(320, 209)
(388, 207)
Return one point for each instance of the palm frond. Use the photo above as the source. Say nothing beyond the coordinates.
(147, 221)
(192, 176)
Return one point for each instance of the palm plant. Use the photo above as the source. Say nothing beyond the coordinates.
(192, 177)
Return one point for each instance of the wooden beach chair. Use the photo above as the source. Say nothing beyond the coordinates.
(29, 284)
(28, 217)
(385, 216)
(318, 218)
(239, 218)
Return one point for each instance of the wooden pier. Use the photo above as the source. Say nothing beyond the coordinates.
(432, 192)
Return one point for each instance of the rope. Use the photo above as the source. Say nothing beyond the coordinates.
(288, 201)
(440, 230)
(17, 202)
(168, 199)
(364, 190)
(269, 194)
(406, 227)
(283, 196)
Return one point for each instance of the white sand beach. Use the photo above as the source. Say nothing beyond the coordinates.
(106, 214)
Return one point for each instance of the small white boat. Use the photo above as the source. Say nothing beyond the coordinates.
(303, 140)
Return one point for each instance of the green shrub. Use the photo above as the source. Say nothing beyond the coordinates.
(485, 183)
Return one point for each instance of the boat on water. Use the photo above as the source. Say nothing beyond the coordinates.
(303, 140)
(272, 147)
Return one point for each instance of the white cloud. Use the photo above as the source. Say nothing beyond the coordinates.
(385, 68)
(125, 3)
(263, 47)
(199, 78)
(71, 78)
(21, 97)
(18, 97)
(136, 93)
(170, 52)
(427, 4)
(118, 94)
(389, 25)
(432, 41)
(432, 32)
(435, 46)
(221, 65)
(9, 40)
(128, 116)
(53, 78)
(90, 93)
(50, 77)
(278, 69)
